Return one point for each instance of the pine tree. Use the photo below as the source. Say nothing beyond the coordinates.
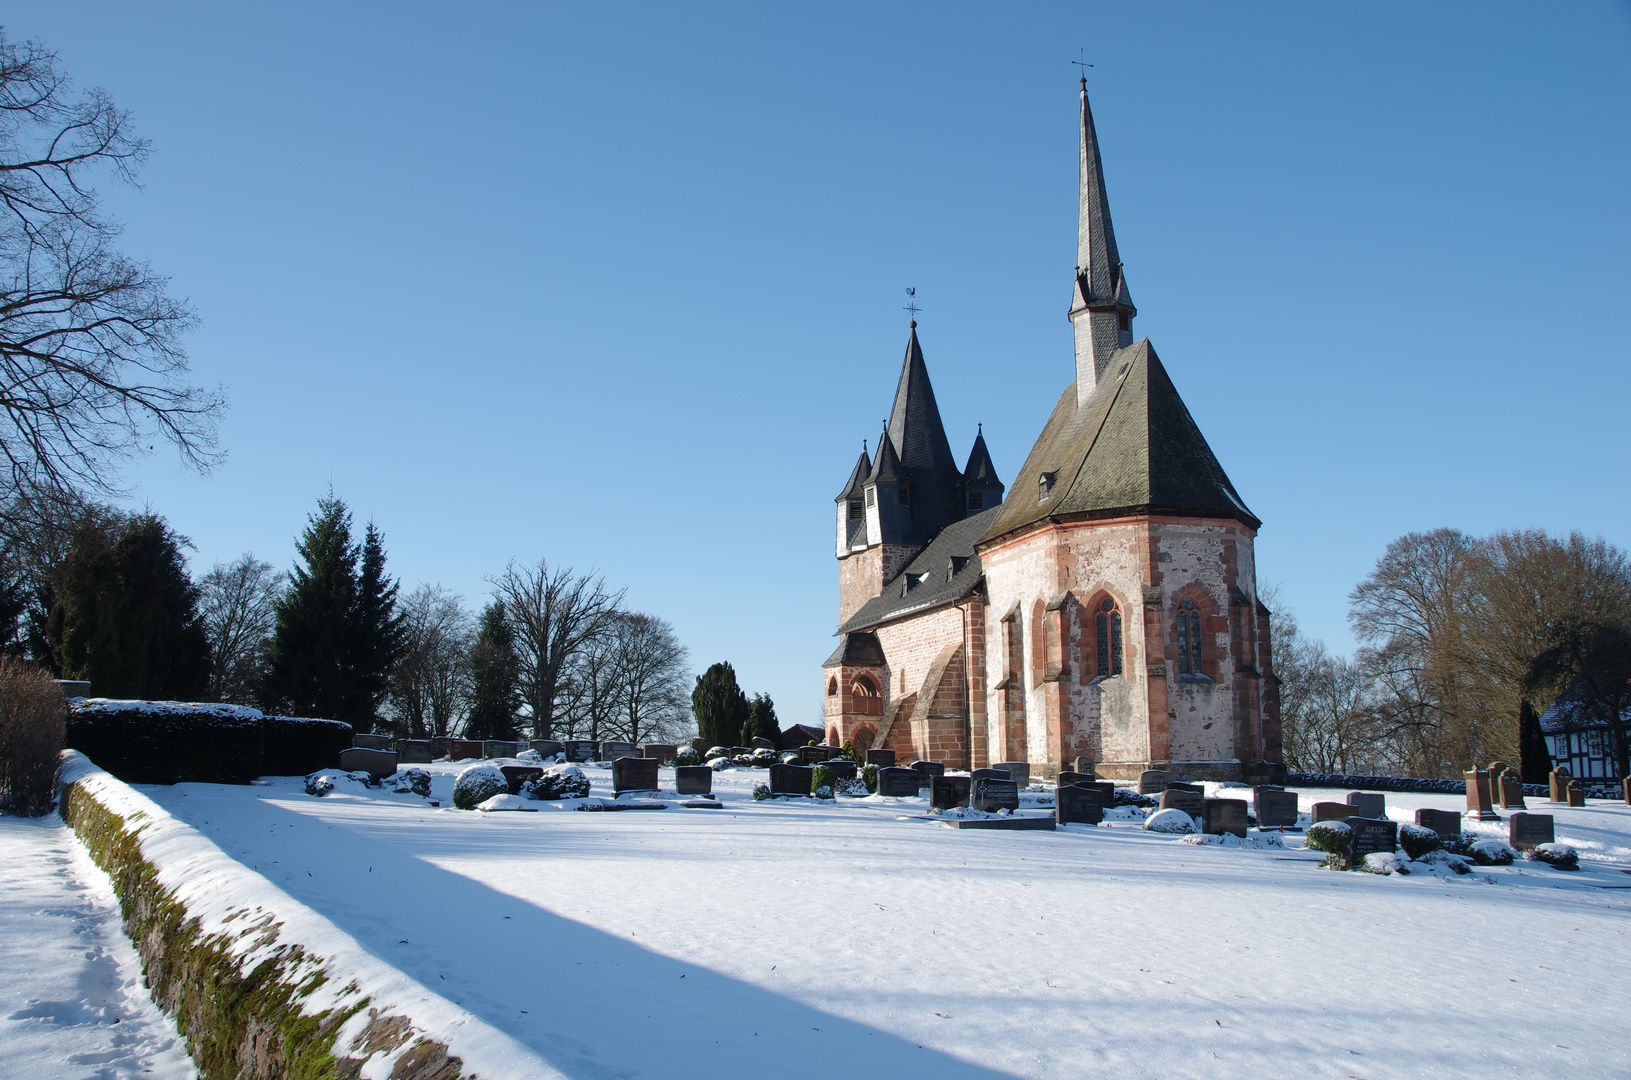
(761, 722)
(377, 634)
(126, 613)
(719, 705)
(310, 660)
(1534, 759)
(495, 678)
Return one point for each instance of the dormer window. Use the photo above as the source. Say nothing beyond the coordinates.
(1044, 486)
(906, 496)
(954, 565)
(872, 496)
(976, 500)
(855, 511)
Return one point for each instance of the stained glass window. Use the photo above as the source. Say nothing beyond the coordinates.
(1103, 636)
(1115, 643)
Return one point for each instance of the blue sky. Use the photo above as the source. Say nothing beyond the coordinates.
(621, 285)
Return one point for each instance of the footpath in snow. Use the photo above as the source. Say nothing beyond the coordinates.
(799, 939)
(72, 1002)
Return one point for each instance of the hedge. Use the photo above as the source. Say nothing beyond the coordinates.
(168, 742)
(295, 746)
(1392, 783)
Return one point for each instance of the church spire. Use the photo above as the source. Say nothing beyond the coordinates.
(1101, 308)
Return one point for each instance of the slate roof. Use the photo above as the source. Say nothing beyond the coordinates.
(1132, 447)
(857, 649)
(954, 547)
(916, 454)
(1100, 282)
(1569, 713)
(980, 471)
(857, 478)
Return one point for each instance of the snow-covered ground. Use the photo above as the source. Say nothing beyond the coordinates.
(72, 1001)
(796, 939)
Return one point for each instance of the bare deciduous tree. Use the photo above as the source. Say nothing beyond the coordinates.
(431, 680)
(91, 362)
(238, 602)
(650, 678)
(556, 612)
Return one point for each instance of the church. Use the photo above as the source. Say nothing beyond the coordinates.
(1102, 611)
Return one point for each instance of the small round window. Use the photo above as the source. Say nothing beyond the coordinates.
(1189, 605)
(1108, 604)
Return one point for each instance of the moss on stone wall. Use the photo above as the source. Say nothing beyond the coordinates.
(237, 1024)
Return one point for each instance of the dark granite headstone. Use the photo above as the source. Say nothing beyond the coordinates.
(1525, 831)
(759, 743)
(1224, 816)
(694, 780)
(810, 755)
(1190, 802)
(1180, 786)
(371, 742)
(927, 769)
(464, 749)
(439, 745)
(993, 795)
(580, 749)
(990, 774)
(413, 751)
(1447, 823)
(790, 779)
(947, 792)
(1154, 781)
(520, 774)
(1276, 807)
(630, 773)
(1109, 789)
(842, 770)
(1080, 804)
(663, 752)
(376, 763)
(611, 750)
(547, 747)
(897, 782)
(1479, 806)
(1065, 778)
(1512, 791)
(1577, 793)
(1372, 835)
(1329, 811)
(883, 759)
(1368, 804)
(1559, 783)
(1018, 771)
(501, 747)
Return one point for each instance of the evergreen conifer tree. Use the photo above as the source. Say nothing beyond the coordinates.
(377, 634)
(310, 662)
(126, 613)
(719, 705)
(761, 722)
(494, 678)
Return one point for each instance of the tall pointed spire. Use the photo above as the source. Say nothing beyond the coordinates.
(1101, 308)
(914, 421)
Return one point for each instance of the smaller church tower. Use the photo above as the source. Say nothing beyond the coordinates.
(981, 488)
(1101, 309)
(852, 509)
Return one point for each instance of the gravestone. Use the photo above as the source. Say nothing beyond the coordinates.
(1511, 792)
(1177, 785)
(464, 749)
(1078, 804)
(842, 770)
(1496, 770)
(1018, 771)
(833, 751)
(926, 770)
(632, 773)
(1109, 789)
(1447, 823)
(517, 775)
(413, 751)
(792, 779)
(1224, 816)
(1372, 835)
(1479, 807)
(1559, 783)
(1577, 793)
(1525, 831)
(439, 745)
(371, 742)
(1368, 804)
(1067, 778)
(1329, 811)
(700, 745)
(759, 743)
(1276, 807)
(501, 748)
(663, 752)
(376, 763)
(1087, 766)
(694, 780)
(897, 782)
(883, 759)
(546, 747)
(948, 792)
(1154, 781)
(993, 795)
(990, 774)
(1189, 802)
(810, 755)
(611, 750)
(579, 749)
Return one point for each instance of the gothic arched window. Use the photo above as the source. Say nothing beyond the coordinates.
(1107, 630)
(863, 687)
(1189, 639)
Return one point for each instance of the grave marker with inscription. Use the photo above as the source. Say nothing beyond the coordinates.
(1577, 793)
(897, 782)
(1078, 804)
(694, 780)
(1178, 785)
(1525, 831)
(1224, 816)
(501, 748)
(1447, 823)
(994, 795)
(1087, 767)
(793, 779)
(376, 763)
(949, 792)
(547, 748)
(1368, 804)
(1511, 792)
(1154, 781)
(1189, 802)
(1018, 771)
(1329, 811)
(464, 749)
(991, 774)
(413, 751)
(810, 755)
(371, 742)
(580, 749)
(611, 751)
(926, 770)
(663, 752)
(1067, 778)
(1558, 781)
(630, 773)
(1479, 806)
(842, 769)
(1276, 807)
(1372, 835)
(883, 759)
(439, 745)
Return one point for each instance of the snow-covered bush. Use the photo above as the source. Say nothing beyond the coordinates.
(761, 792)
(477, 784)
(410, 782)
(296, 745)
(822, 777)
(687, 756)
(1385, 862)
(763, 758)
(1417, 840)
(530, 756)
(789, 757)
(319, 784)
(169, 742)
(854, 788)
(718, 751)
(1129, 797)
(1435, 862)
(561, 781)
(1171, 820)
(1333, 838)
(719, 764)
(869, 778)
(1558, 856)
(1493, 853)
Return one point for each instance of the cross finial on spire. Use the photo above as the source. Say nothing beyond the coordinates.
(1083, 64)
(911, 304)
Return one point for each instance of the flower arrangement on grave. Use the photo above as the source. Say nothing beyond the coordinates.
(761, 792)
(1334, 838)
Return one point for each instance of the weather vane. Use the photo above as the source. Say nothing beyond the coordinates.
(911, 303)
